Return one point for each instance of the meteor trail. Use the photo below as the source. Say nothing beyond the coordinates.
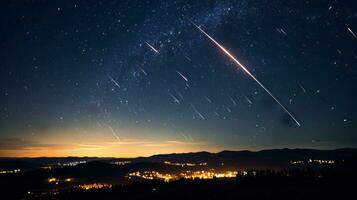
(143, 71)
(302, 88)
(152, 48)
(233, 101)
(184, 136)
(112, 80)
(246, 70)
(228, 109)
(113, 132)
(208, 99)
(354, 35)
(178, 93)
(184, 77)
(197, 112)
(174, 98)
(188, 58)
(280, 30)
(248, 100)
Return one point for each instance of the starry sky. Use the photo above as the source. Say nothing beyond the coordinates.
(135, 78)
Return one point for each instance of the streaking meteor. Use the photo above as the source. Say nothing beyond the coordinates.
(184, 77)
(152, 48)
(246, 70)
(114, 133)
(188, 58)
(248, 100)
(184, 136)
(178, 93)
(354, 35)
(197, 112)
(112, 80)
(208, 99)
(233, 101)
(143, 71)
(228, 109)
(302, 88)
(176, 100)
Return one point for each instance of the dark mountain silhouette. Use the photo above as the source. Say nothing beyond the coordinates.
(273, 159)
(333, 165)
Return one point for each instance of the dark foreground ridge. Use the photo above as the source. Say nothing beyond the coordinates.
(266, 185)
(278, 174)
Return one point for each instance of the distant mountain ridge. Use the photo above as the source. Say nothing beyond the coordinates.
(271, 158)
(256, 159)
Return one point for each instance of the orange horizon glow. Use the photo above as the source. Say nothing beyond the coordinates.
(100, 141)
(110, 151)
(97, 143)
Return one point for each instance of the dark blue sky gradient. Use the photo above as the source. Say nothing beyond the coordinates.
(58, 58)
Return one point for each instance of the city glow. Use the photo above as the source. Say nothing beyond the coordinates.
(184, 164)
(200, 174)
(121, 162)
(94, 186)
(313, 161)
(56, 181)
(10, 171)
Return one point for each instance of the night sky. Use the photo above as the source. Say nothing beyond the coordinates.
(134, 78)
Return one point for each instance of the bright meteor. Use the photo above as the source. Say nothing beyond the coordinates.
(247, 71)
(112, 80)
(152, 48)
(354, 35)
(114, 133)
(182, 76)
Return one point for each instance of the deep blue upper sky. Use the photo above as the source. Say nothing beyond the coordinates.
(75, 75)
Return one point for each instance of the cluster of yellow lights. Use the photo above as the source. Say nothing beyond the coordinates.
(246, 173)
(296, 162)
(208, 174)
(313, 161)
(61, 165)
(52, 180)
(10, 171)
(94, 186)
(185, 164)
(151, 175)
(71, 164)
(121, 162)
(56, 181)
(47, 167)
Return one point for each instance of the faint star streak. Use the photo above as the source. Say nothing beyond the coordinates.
(184, 77)
(302, 88)
(174, 98)
(112, 80)
(208, 99)
(233, 101)
(152, 48)
(179, 93)
(354, 35)
(143, 71)
(247, 71)
(188, 58)
(114, 133)
(197, 112)
(248, 100)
